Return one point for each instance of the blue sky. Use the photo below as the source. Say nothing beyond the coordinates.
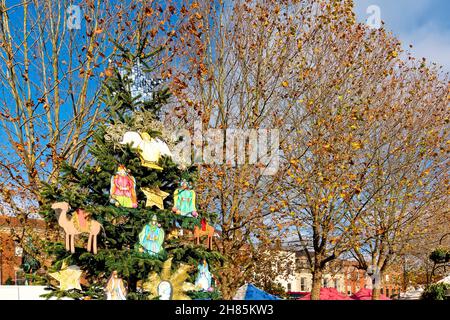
(423, 23)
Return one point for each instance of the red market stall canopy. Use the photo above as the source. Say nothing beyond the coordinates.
(328, 294)
(366, 294)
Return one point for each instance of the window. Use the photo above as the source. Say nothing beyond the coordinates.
(289, 287)
(387, 292)
(288, 269)
(325, 283)
(303, 284)
(382, 291)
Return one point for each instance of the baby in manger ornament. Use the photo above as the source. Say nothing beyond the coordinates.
(167, 285)
(151, 237)
(184, 200)
(123, 189)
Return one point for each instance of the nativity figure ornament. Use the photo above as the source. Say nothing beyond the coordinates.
(123, 189)
(184, 200)
(151, 238)
(167, 285)
(115, 288)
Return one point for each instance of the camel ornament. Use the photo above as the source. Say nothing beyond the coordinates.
(204, 230)
(74, 226)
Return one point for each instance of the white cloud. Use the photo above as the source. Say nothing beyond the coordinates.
(414, 22)
(399, 15)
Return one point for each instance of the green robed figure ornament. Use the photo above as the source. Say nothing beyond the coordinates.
(151, 237)
(184, 200)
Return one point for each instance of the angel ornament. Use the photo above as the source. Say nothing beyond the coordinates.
(150, 149)
(115, 288)
(184, 200)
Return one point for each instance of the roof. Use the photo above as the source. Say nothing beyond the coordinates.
(327, 294)
(250, 292)
(7, 222)
(445, 280)
(366, 294)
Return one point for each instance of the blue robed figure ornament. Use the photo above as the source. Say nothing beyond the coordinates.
(151, 237)
(203, 280)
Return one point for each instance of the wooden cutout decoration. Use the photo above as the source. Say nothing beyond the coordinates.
(155, 197)
(203, 281)
(184, 200)
(115, 288)
(204, 230)
(168, 285)
(150, 149)
(123, 189)
(151, 238)
(68, 277)
(71, 228)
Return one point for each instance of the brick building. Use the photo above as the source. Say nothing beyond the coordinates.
(11, 252)
(342, 275)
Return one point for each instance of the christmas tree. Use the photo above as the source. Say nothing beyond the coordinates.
(127, 203)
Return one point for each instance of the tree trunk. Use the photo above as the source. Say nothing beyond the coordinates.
(376, 293)
(316, 284)
(377, 284)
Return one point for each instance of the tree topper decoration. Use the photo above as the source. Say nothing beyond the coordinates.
(142, 86)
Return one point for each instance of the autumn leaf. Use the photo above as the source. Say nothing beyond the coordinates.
(356, 145)
(109, 72)
(148, 11)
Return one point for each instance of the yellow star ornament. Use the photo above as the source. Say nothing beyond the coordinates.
(155, 197)
(68, 277)
(168, 285)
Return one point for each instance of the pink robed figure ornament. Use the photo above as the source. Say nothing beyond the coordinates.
(123, 189)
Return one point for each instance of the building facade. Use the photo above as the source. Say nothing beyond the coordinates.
(11, 252)
(343, 275)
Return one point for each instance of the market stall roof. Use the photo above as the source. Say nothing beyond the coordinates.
(445, 280)
(366, 294)
(250, 292)
(412, 294)
(327, 294)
